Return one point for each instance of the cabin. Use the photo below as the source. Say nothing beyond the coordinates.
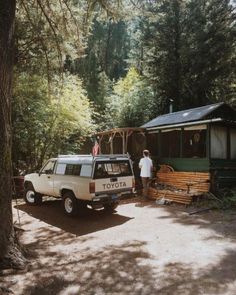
(201, 139)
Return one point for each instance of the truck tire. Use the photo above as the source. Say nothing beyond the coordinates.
(70, 204)
(110, 208)
(31, 197)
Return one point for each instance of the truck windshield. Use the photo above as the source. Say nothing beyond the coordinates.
(108, 169)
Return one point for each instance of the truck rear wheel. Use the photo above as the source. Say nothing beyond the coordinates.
(70, 204)
(31, 197)
(110, 208)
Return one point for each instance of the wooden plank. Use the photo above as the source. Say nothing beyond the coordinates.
(191, 183)
(186, 180)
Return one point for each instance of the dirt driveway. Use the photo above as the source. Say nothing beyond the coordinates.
(141, 249)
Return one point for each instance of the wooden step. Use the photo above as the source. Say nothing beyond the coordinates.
(175, 196)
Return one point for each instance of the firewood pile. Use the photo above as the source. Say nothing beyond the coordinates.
(179, 187)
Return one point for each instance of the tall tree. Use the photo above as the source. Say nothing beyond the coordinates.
(188, 51)
(162, 64)
(9, 253)
(104, 59)
(209, 52)
(131, 103)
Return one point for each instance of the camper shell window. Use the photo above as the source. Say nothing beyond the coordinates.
(109, 169)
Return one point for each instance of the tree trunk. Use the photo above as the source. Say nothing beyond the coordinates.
(10, 255)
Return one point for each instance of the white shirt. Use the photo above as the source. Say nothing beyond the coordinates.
(146, 167)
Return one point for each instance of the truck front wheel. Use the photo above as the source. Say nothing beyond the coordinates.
(70, 204)
(31, 197)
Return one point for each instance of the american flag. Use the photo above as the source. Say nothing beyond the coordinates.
(95, 150)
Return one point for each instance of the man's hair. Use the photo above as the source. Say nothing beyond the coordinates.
(146, 153)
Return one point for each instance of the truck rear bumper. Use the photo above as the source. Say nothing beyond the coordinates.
(109, 197)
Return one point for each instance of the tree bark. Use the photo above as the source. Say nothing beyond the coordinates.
(10, 255)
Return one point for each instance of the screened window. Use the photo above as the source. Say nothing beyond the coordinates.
(170, 143)
(152, 143)
(218, 142)
(194, 142)
(233, 143)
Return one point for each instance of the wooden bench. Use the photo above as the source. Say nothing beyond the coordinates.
(184, 186)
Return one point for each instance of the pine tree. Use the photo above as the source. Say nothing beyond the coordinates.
(189, 52)
(209, 55)
(162, 64)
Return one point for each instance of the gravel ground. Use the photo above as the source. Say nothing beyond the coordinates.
(142, 249)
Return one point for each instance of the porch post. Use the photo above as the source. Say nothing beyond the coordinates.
(100, 144)
(208, 142)
(111, 143)
(123, 142)
(181, 142)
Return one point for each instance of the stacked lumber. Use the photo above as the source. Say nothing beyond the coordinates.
(181, 186)
(197, 181)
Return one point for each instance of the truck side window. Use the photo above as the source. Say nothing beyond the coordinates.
(86, 170)
(48, 168)
(73, 169)
(76, 170)
(61, 168)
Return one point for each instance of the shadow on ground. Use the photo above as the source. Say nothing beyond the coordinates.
(126, 270)
(223, 223)
(139, 201)
(51, 212)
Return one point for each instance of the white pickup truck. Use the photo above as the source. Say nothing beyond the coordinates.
(82, 180)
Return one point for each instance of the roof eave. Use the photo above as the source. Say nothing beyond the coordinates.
(120, 130)
(185, 124)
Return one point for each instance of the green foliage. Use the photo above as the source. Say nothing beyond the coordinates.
(161, 57)
(131, 67)
(104, 59)
(52, 114)
(187, 51)
(45, 125)
(209, 57)
(52, 30)
(47, 31)
(131, 103)
(228, 198)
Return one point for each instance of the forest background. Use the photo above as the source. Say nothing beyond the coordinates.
(86, 68)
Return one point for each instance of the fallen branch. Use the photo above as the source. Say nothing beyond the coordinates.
(201, 210)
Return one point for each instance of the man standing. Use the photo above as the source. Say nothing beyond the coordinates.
(146, 167)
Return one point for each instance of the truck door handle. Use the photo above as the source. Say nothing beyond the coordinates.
(49, 176)
(113, 179)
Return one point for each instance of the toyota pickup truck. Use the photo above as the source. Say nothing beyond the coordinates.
(82, 180)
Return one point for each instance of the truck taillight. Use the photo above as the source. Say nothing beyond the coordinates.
(92, 187)
(133, 182)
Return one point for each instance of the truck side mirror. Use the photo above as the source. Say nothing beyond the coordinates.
(48, 171)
